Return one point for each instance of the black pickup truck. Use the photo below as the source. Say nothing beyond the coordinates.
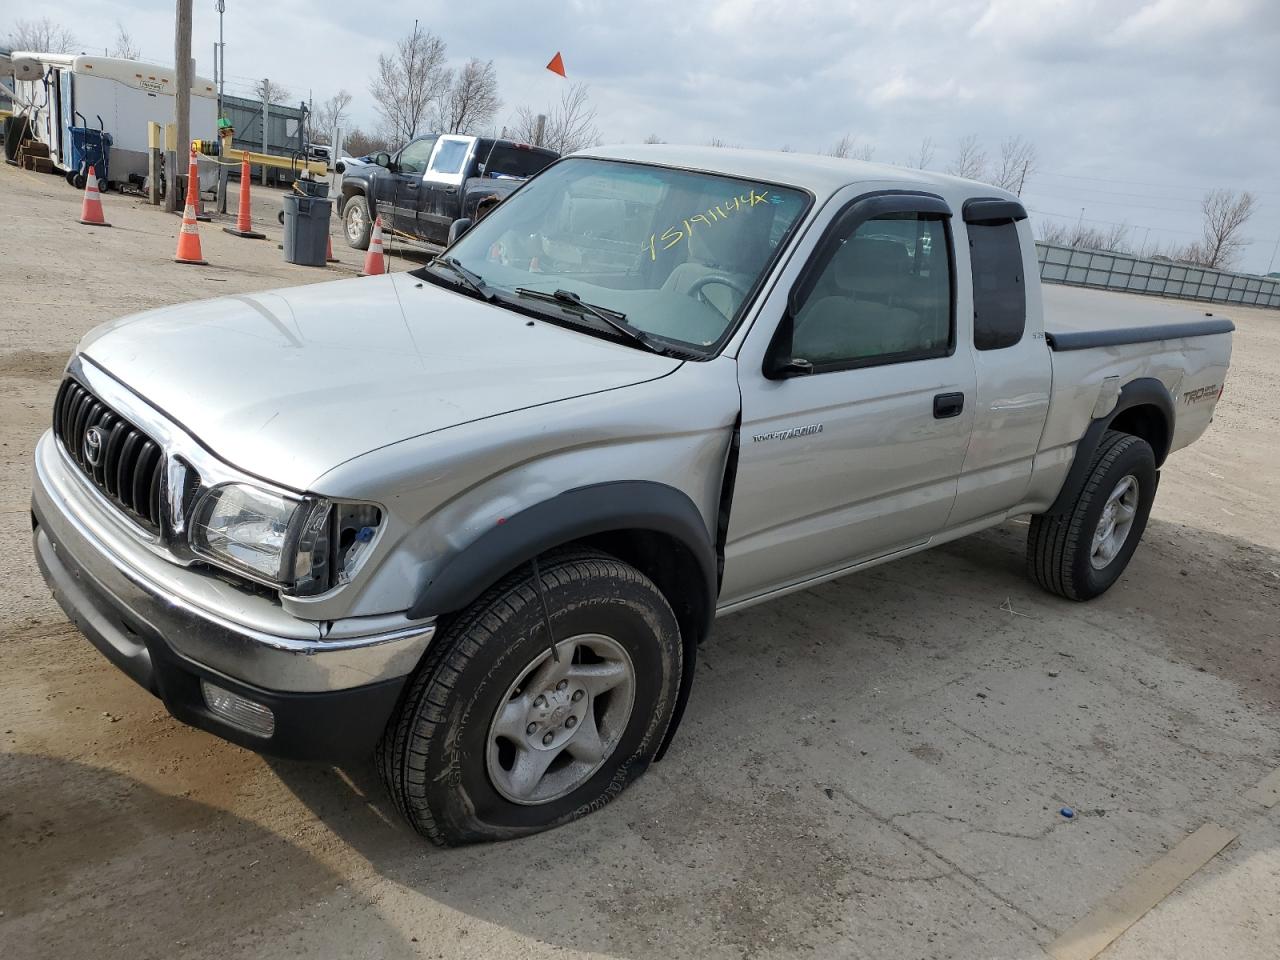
(432, 181)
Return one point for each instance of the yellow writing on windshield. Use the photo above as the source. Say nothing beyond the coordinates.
(720, 212)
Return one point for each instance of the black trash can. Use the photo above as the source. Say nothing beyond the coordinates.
(306, 229)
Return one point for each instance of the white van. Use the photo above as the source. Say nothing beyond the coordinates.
(59, 91)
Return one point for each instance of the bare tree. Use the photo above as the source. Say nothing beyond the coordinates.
(723, 144)
(1114, 239)
(1018, 160)
(970, 161)
(125, 48)
(570, 124)
(41, 36)
(786, 148)
(1225, 215)
(848, 147)
(409, 81)
(269, 91)
(923, 156)
(471, 98)
(654, 138)
(329, 117)
(358, 143)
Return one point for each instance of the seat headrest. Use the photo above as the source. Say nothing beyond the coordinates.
(596, 216)
(869, 266)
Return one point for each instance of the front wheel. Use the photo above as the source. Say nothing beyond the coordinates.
(1080, 553)
(498, 736)
(356, 222)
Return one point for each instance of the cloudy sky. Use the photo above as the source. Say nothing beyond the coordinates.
(1135, 106)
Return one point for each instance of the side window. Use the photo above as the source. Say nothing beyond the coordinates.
(450, 156)
(413, 158)
(999, 293)
(884, 296)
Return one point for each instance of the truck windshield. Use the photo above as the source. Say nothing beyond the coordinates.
(676, 253)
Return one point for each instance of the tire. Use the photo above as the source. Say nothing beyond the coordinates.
(357, 226)
(1062, 556)
(441, 756)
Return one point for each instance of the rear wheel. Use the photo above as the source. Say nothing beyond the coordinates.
(1080, 553)
(499, 737)
(357, 224)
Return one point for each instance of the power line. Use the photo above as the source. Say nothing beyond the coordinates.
(1113, 223)
(1077, 198)
(1140, 183)
(1115, 193)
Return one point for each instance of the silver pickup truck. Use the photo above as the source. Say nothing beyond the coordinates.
(476, 518)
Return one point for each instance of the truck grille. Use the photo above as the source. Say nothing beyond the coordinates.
(120, 460)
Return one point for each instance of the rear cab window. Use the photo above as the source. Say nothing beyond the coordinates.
(507, 160)
(999, 288)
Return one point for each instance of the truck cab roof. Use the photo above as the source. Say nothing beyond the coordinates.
(822, 176)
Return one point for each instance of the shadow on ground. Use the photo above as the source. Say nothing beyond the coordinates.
(96, 864)
(881, 760)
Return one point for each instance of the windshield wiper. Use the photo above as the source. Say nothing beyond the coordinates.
(615, 319)
(472, 280)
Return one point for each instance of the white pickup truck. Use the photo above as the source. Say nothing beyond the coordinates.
(475, 519)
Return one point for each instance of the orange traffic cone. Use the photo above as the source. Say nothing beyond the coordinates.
(189, 234)
(374, 261)
(328, 253)
(91, 209)
(244, 226)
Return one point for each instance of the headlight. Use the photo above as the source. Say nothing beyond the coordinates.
(302, 545)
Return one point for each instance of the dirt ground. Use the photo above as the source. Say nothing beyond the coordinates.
(872, 768)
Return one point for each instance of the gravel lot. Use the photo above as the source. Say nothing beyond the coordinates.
(872, 768)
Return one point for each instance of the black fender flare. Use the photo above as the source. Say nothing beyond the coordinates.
(576, 514)
(353, 187)
(572, 515)
(1142, 391)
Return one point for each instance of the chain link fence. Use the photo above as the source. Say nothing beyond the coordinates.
(1161, 278)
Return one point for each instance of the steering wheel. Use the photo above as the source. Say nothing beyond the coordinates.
(695, 291)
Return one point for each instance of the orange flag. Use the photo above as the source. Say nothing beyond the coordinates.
(557, 64)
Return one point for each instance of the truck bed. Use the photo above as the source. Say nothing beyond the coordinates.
(1076, 318)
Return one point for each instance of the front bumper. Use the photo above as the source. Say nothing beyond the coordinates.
(330, 688)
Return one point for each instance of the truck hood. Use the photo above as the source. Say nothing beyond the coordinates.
(288, 384)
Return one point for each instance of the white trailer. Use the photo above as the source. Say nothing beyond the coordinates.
(60, 91)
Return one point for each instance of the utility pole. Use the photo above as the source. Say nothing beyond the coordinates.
(181, 99)
(1023, 179)
(266, 111)
(220, 61)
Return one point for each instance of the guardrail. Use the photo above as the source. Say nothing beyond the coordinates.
(1159, 278)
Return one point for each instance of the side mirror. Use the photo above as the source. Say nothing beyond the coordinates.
(458, 228)
(784, 368)
(382, 159)
(779, 363)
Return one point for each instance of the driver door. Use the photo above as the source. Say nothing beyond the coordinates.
(854, 450)
(409, 166)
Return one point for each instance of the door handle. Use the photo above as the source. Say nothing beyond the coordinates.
(947, 405)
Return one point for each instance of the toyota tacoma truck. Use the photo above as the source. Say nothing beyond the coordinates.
(430, 182)
(474, 520)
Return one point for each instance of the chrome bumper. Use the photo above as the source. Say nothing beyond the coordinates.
(204, 620)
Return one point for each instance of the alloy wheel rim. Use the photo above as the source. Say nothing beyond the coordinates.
(355, 222)
(561, 719)
(1115, 523)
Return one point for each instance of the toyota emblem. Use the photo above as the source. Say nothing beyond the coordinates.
(93, 445)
